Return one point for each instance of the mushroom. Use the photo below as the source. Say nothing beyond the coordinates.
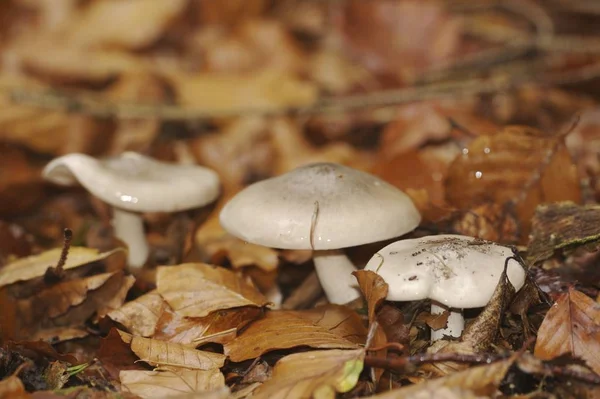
(324, 207)
(132, 183)
(454, 271)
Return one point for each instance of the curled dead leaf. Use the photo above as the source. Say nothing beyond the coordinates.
(198, 289)
(141, 315)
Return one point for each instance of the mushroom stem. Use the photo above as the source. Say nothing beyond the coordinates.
(454, 326)
(129, 227)
(335, 274)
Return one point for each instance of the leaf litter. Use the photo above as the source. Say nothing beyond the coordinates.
(485, 116)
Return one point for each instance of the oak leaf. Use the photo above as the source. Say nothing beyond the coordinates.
(198, 289)
(318, 374)
(572, 325)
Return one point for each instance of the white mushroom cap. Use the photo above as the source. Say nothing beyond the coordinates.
(456, 271)
(137, 183)
(351, 208)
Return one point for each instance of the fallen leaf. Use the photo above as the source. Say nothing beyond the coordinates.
(318, 374)
(35, 266)
(12, 387)
(198, 289)
(60, 311)
(519, 166)
(289, 329)
(572, 325)
(216, 244)
(21, 184)
(141, 315)
(561, 226)
(479, 380)
(166, 384)
(14, 242)
(108, 24)
(219, 327)
(489, 221)
(160, 354)
(374, 290)
(117, 355)
(265, 90)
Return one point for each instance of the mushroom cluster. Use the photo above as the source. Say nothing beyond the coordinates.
(323, 207)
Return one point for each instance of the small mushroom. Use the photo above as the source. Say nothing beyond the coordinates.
(454, 271)
(324, 207)
(132, 183)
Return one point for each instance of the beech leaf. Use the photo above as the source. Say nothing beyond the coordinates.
(572, 325)
(288, 329)
(141, 315)
(318, 374)
(197, 289)
(172, 383)
(35, 266)
(161, 353)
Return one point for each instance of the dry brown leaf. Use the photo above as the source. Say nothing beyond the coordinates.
(319, 328)
(216, 244)
(166, 384)
(218, 327)
(318, 374)
(239, 152)
(479, 380)
(572, 326)
(167, 354)
(518, 165)
(374, 290)
(198, 289)
(110, 23)
(21, 185)
(141, 315)
(12, 388)
(28, 268)
(60, 311)
(263, 90)
(402, 37)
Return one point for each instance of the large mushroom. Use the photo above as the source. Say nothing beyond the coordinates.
(455, 272)
(132, 183)
(324, 207)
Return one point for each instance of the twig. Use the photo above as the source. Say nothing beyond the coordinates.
(55, 274)
(401, 363)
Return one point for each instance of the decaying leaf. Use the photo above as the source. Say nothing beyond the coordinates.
(12, 387)
(141, 315)
(197, 289)
(59, 312)
(35, 266)
(216, 244)
(318, 374)
(572, 326)
(323, 328)
(519, 166)
(561, 226)
(373, 288)
(479, 380)
(162, 354)
(173, 383)
(220, 326)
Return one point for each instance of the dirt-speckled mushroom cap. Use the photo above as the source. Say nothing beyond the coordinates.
(457, 271)
(137, 183)
(349, 208)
